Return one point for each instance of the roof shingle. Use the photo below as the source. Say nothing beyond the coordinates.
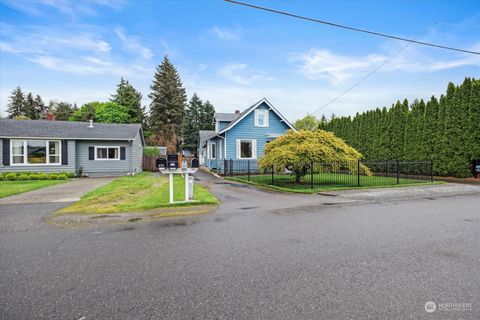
(67, 130)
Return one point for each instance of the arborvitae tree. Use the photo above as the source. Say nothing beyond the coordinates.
(440, 163)
(62, 110)
(207, 114)
(191, 123)
(41, 108)
(473, 131)
(430, 127)
(446, 131)
(16, 102)
(168, 104)
(127, 96)
(29, 107)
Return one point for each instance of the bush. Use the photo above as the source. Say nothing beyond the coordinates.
(42, 176)
(151, 151)
(10, 176)
(23, 176)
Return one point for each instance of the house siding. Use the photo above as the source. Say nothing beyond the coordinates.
(222, 124)
(245, 129)
(137, 151)
(103, 167)
(44, 168)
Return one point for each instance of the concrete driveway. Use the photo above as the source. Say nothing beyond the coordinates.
(69, 191)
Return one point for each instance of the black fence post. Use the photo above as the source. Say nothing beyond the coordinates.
(358, 173)
(231, 167)
(248, 170)
(273, 174)
(431, 170)
(311, 175)
(398, 172)
(386, 168)
(224, 167)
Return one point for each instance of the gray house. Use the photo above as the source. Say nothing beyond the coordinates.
(99, 149)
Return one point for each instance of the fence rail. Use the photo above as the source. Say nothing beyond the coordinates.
(321, 175)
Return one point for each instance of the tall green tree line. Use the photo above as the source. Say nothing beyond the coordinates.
(444, 130)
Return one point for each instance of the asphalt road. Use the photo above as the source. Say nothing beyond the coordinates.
(262, 255)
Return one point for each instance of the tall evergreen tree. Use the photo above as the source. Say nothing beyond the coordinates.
(207, 114)
(473, 131)
(15, 104)
(41, 108)
(29, 107)
(168, 104)
(191, 123)
(127, 96)
(62, 110)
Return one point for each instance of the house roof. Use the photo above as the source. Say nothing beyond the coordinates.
(206, 135)
(219, 116)
(67, 130)
(250, 109)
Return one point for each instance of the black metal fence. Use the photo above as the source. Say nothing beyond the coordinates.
(323, 175)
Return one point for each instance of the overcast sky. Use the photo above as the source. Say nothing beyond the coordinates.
(233, 56)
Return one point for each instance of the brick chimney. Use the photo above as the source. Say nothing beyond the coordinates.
(50, 116)
(237, 111)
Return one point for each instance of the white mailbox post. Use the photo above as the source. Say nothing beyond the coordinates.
(186, 172)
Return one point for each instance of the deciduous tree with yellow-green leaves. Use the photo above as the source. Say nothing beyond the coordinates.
(297, 150)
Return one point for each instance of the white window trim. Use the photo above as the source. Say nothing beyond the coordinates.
(211, 151)
(239, 150)
(265, 118)
(108, 147)
(25, 154)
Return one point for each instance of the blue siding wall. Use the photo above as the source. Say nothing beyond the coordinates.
(246, 129)
(222, 124)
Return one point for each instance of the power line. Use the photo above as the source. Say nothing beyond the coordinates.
(349, 28)
(362, 79)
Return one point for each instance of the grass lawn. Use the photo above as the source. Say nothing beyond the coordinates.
(8, 188)
(327, 182)
(138, 193)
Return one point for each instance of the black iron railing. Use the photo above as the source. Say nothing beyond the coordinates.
(323, 175)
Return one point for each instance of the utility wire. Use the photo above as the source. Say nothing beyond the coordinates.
(349, 28)
(362, 79)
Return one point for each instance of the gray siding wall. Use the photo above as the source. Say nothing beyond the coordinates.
(103, 167)
(137, 152)
(44, 168)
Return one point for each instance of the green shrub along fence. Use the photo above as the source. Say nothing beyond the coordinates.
(20, 176)
(336, 175)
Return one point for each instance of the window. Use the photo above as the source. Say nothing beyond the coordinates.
(107, 153)
(18, 154)
(35, 152)
(261, 118)
(246, 149)
(213, 149)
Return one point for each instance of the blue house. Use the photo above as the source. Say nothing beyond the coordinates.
(241, 135)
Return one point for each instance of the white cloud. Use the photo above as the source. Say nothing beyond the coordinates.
(133, 44)
(318, 64)
(323, 64)
(66, 7)
(239, 73)
(227, 33)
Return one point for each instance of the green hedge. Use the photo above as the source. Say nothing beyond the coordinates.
(20, 176)
(151, 151)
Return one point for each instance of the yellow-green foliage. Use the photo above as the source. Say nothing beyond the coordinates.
(295, 151)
